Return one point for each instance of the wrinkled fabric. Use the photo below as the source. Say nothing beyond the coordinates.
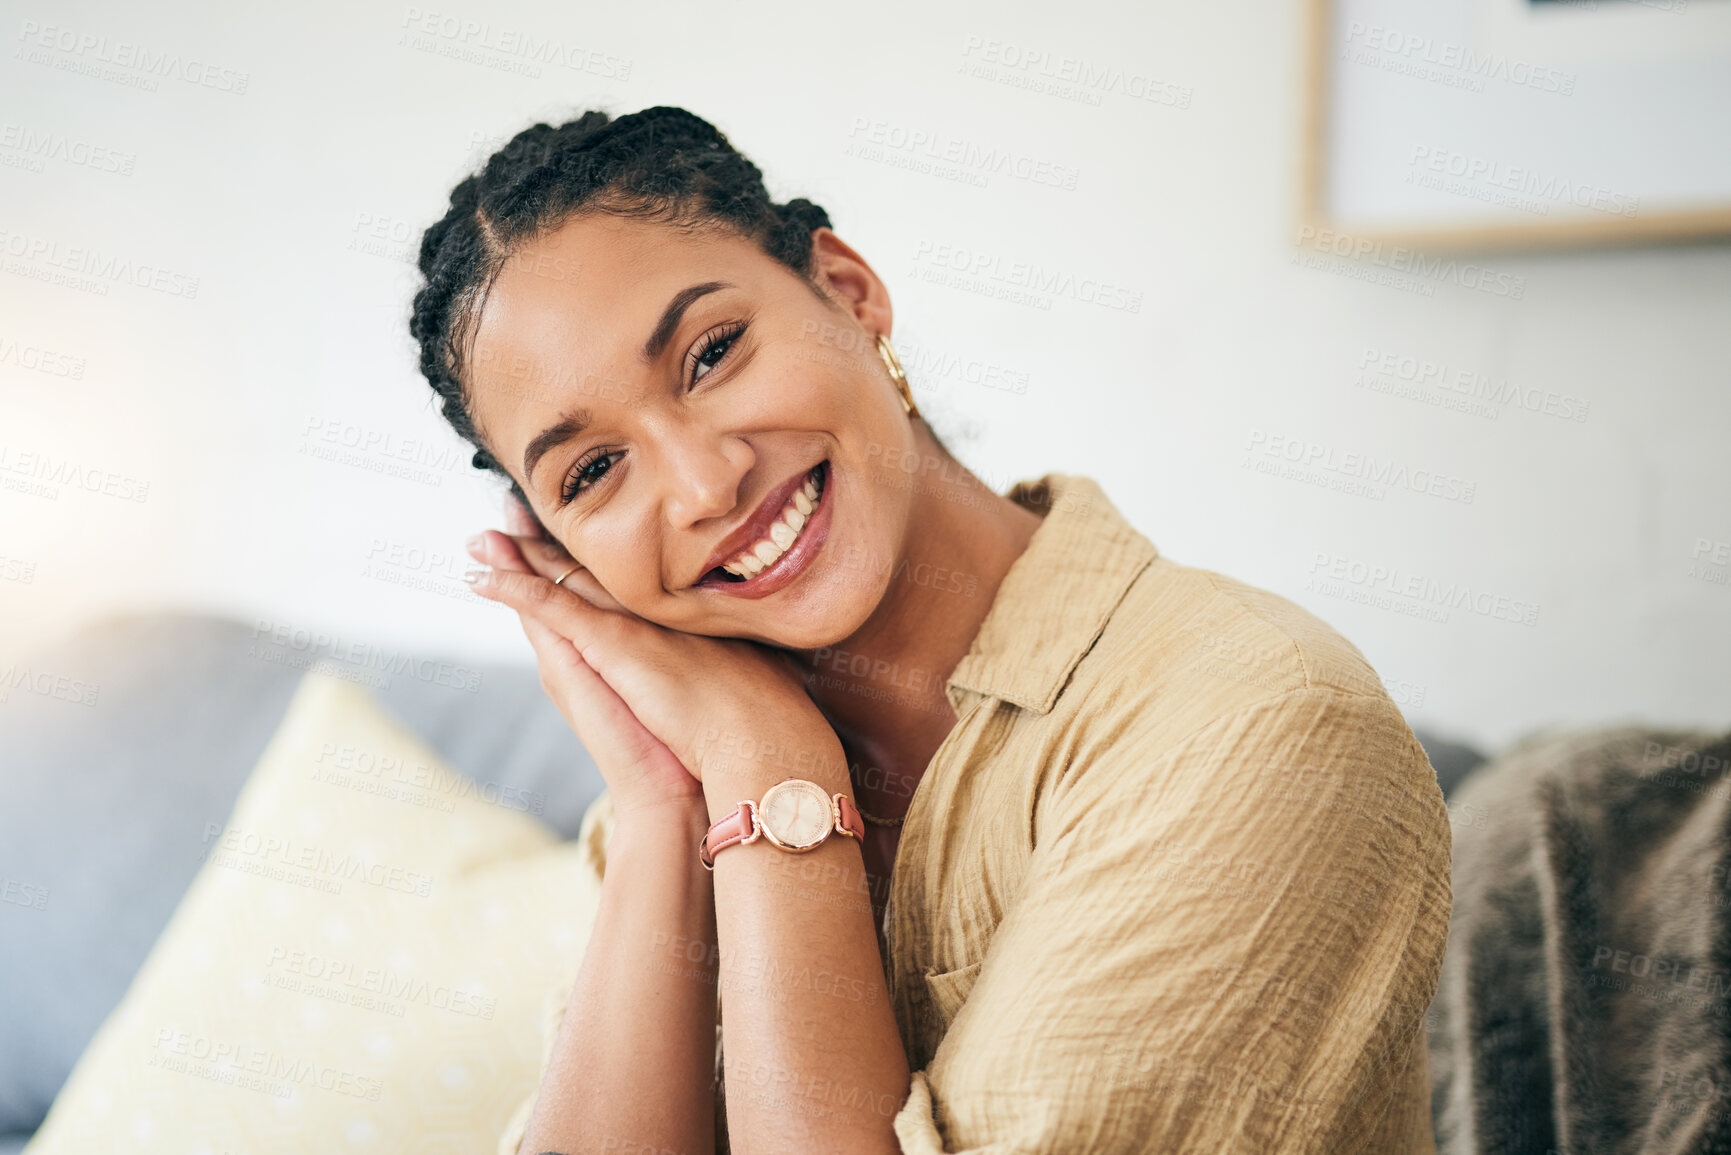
(1176, 880)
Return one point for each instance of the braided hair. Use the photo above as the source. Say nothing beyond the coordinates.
(662, 164)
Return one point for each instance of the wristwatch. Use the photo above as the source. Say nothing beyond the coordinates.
(794, 814)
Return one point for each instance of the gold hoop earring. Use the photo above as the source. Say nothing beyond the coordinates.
(894, 365)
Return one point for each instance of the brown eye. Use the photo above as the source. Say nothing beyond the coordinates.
(712, 350)
(584, 474)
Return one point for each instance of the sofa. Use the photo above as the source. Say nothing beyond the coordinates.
(121, 745)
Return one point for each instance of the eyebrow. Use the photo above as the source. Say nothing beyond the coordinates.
(573, 424)
(671, 316)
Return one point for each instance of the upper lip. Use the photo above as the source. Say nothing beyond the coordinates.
(756, 527)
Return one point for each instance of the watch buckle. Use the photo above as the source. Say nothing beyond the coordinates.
(703, 855)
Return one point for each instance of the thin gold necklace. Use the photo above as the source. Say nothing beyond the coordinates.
(871, 818)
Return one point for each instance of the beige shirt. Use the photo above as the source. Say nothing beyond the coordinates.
(1177, 879)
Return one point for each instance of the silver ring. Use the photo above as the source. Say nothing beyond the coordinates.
(560, 580)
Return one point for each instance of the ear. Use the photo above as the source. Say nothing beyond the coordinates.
(851, 282)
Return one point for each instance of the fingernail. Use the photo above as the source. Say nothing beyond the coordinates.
(477, 576)
(475, 544)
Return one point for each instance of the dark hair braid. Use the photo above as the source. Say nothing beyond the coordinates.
(662, 164)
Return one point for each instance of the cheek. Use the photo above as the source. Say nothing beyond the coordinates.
(626, 562)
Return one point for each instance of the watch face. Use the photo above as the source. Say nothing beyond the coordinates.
(795, 814)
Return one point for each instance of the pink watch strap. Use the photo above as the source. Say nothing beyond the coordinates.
(741, 826)
(851, 822)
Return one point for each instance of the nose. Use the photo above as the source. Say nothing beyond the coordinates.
(703, 472)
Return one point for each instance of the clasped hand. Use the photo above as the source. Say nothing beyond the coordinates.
(653, 706)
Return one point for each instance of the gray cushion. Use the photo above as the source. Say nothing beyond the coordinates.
(106, 804)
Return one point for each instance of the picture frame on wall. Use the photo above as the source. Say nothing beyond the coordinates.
(1482, 125)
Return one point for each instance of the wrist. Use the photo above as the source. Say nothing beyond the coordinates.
(741, 760)
(677, 821)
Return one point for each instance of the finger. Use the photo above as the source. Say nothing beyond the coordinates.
(546, 557)
(490, 547)
(609, 731)
(584, 584)
(548, 560)
(534, 554)
(527, 552)
(565, 610)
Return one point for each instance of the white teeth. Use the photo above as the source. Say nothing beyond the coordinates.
(783, 532)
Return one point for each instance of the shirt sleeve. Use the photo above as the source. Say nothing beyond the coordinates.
(1229, 945)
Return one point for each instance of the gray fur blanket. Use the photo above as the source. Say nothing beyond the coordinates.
(1585, 1001)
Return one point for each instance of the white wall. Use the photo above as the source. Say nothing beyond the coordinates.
(269, 197)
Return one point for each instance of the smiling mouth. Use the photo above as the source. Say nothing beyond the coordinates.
(789, 528)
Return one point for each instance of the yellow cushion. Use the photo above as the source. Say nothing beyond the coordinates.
(360, 964)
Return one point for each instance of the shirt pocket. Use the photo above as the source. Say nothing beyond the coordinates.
(948, 990)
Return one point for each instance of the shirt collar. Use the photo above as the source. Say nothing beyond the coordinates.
(1056, 597)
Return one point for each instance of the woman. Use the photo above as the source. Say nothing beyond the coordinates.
(1149, 859)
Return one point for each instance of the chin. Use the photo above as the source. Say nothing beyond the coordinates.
(828, 613)
(820, 636)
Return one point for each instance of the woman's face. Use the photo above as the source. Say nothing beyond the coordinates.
(662, 398)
